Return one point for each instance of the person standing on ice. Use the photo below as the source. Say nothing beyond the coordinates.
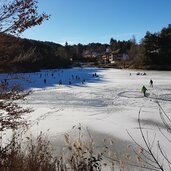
(144, 89)
(151, 83)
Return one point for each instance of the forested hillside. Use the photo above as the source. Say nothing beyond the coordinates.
(154, 52)
(25, 55)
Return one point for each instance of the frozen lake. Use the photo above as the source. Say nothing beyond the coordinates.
(107, 104)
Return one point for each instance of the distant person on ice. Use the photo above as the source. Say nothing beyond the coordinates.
(151, 83)
(144, 89)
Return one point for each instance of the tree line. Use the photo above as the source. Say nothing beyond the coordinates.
(23, 55)
(154, 50)
(157, 47)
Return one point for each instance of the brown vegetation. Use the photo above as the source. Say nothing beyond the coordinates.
(11, 113)
(23, 55)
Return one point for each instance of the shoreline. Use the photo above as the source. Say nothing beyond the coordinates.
(119, 65)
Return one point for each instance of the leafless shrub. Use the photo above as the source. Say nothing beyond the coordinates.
(81, 154)
(11, 113)
(34, 155)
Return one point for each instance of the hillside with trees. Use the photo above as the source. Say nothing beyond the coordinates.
(154, 52)
(25, 55)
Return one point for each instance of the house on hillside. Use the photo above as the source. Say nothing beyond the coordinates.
(107, 57)
(119, 56)
(90, 54)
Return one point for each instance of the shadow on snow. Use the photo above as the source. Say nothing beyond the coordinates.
(54, 77)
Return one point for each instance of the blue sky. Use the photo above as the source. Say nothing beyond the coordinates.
(87, 21)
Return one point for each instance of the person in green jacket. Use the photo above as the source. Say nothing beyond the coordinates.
(144, 89)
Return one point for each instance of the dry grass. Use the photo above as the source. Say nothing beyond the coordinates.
(79, 153)
(27, 155)
(36, 155)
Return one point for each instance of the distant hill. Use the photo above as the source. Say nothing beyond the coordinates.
(24, 55)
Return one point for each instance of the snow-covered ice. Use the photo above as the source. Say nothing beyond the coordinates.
(108, 103)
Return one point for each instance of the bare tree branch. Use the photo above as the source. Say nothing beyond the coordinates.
(19, 15)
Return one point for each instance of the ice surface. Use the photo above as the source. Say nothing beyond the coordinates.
(108, 103)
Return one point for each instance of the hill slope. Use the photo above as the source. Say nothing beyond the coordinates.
(25, 55)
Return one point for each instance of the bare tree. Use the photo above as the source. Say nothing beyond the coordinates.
(16, 16)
